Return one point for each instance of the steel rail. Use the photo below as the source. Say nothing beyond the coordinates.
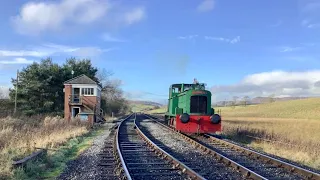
(124, 166)
(293, 168)
(177, 164)
(245, 171)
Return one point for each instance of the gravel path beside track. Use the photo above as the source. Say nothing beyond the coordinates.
(202, 163)
(86, 165)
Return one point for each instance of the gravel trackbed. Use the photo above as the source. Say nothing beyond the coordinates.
(86, 165)
(204, 164)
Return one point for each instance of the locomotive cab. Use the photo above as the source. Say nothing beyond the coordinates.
(189, 109)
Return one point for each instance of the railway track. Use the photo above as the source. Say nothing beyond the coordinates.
(198, 160)
(250, 163)
(107, 163)
(139, 158)
(264, 165)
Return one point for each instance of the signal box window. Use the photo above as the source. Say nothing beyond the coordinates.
(87, 91)
(198, 104)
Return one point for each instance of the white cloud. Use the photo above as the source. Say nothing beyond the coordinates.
(110, 38)
(314, 25)
(310, 11)
(289, 49)
(37, 17)
(309, 24)
(90, 51)
(7, 53)
(280, 83)
(206, 5)
(308, 44)
(231, 41)
(51, 49)
(135, 15)
(188, 37)
(18, 60)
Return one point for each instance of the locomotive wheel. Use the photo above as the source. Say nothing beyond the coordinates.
(174, 122)
(166, 120)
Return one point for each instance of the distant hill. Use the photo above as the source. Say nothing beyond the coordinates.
(139, 106)
(258, 100)
(148, 103)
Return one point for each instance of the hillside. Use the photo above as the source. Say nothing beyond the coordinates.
(258, 100)
(138, 106)
(298, 109)
(145, 103)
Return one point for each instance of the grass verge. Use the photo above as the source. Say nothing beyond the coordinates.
(19, 137)
(53, 163)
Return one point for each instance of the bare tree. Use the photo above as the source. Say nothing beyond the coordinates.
(246, 100)
(4, 94)
(271, 98)
(1, 94)
(113, 100)
(235, 98)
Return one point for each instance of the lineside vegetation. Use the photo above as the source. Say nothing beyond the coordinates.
(39, 121)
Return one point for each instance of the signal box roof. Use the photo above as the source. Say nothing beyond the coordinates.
(82, 79)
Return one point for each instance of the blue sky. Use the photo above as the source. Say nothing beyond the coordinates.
(249, 47)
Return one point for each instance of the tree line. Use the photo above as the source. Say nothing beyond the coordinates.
(40, 87)
(244, 101)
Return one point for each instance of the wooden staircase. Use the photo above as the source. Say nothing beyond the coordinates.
(88, 105)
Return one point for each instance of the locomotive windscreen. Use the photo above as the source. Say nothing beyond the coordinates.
(198, 104)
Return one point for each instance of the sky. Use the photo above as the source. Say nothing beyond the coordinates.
(238, 48)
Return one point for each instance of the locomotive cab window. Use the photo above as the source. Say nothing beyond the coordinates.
(198, 104)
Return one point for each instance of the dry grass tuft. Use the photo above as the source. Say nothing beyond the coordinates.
(294, 139)
(19, 136)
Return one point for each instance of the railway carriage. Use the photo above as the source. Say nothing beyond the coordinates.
(189, 109)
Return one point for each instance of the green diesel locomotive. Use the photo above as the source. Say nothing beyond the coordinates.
(189, 109)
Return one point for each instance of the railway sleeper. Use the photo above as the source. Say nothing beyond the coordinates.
(155, 174)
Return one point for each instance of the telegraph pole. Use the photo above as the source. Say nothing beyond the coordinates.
(15, 100)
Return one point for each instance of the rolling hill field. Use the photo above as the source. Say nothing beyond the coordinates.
(139, 106)
(290, 129)
(293, 109)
